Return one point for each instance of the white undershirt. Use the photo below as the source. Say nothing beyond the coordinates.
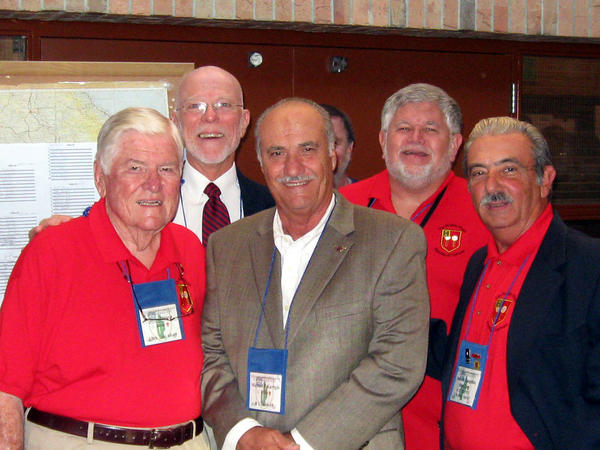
(193, 198)
(295, 256)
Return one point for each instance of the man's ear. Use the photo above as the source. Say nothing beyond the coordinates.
(349, 149)
(549, 175)
(175, 118)
(382, 139)
(244, 122)
(457, 139)
(99, 179)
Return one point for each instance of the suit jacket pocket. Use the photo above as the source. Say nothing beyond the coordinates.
(340, 310)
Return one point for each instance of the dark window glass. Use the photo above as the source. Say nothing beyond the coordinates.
(561, 97)
(13, 48)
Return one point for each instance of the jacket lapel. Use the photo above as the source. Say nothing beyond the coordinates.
(333, 246)
(536, 298)
(262, 254)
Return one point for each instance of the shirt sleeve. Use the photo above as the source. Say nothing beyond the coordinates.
(300, 440)
(235, 434)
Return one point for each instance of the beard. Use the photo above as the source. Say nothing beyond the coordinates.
(228, 146)
(415, 177)
(213, 157)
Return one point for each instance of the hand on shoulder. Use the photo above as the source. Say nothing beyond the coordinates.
(49, 222)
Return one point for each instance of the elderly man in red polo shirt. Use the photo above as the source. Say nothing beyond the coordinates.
(100, 325)
(522, 367)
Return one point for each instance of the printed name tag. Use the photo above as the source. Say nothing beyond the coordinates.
(265, 392)
(159, 302)
(158, 329)
(468, 378)
(266, 379)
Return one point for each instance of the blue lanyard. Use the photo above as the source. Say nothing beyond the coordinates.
(501, 304)
(432, 205)
(264, 301)
(416, 216)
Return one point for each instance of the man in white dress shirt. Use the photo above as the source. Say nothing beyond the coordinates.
(211, 117)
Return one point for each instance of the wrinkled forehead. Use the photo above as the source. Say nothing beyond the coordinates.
(421, 113)
(494, 150)
(210, 88)
(134, 141)
(297, 119)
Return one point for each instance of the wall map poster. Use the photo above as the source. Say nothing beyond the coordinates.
(47, 148)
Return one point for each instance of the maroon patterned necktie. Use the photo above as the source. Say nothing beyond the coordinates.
(215, 213)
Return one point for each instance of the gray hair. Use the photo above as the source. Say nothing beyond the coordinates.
(497, 126)
(329, 133)
(420, 93)
(146, 121)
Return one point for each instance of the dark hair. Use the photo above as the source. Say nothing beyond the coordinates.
(336, 112)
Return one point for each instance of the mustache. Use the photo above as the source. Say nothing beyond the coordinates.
(297, 179)
(496, 197)
(415, 148)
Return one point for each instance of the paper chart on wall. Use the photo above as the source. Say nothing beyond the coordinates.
(47, 148)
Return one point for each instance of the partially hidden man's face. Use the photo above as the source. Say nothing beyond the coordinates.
(418, 146)
(214, 136)
(343, 147)
(142, 186)
(503, 182)
(296, 161)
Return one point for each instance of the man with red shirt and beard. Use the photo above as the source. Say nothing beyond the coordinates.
(420, 137)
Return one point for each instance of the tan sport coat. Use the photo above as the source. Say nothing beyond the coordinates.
(357, 335)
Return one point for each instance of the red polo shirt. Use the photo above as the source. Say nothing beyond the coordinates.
(454, 231)
(69, 339)
(491, 424)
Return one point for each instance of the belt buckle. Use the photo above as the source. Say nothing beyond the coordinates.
(153, 436)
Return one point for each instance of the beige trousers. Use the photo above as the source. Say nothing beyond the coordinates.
(38, 437)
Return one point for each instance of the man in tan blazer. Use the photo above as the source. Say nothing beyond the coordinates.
(340, 287)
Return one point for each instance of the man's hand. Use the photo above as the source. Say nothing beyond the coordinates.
(52, 221)
(11, 422)
(262, 438)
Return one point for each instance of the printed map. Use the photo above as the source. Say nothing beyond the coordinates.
(67, 115)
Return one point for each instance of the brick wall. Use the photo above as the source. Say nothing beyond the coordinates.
(551, 18)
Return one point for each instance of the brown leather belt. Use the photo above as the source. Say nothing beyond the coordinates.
(151, 438)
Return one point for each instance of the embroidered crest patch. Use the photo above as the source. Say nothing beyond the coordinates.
(505, 308)
(451, 240)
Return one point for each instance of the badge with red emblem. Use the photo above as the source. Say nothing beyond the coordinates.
(506, 303)
(451, 240)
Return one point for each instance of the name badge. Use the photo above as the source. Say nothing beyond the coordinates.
(468, 378)
(266, 379)
(159, 320)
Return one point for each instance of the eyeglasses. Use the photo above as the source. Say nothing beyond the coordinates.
(201, 107)
(186, 305)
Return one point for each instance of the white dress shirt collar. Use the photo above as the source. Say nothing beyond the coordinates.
(193, 198)
(280, 237)
(195, 182)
